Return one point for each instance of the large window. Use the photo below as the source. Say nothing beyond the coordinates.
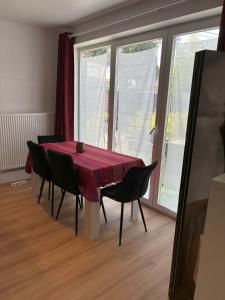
(134, 98)
(94, 96)
(184, 48)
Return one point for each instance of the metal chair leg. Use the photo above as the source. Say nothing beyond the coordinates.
(80, 199)
(76, 215)
(60, 205)
(142, 215)
(52, 200)
(41, 189)
(103, 208)
(121, 223)
(49, 190)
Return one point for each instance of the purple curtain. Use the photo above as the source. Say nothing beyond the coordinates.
(221, 40)
(64, 117)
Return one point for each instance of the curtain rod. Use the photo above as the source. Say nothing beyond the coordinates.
(129, 18)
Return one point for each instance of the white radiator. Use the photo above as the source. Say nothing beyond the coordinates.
(15, 131)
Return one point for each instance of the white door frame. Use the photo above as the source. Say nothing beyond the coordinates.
(172, 32)
(167, 35)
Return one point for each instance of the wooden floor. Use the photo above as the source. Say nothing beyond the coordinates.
(41, 258)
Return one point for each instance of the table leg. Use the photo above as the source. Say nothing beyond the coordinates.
(36, 182)
(134, 210)
(92, 225)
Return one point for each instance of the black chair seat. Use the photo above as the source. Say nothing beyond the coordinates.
(110, 191)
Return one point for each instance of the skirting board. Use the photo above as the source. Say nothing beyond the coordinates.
(13, 176)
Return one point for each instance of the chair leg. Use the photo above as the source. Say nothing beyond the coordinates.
(52, 199)
(80, 199)
(121, 223)
(142, 215)
(60, 205)
(76, 215)
(49, 190)
(103, 208)
(41, 189)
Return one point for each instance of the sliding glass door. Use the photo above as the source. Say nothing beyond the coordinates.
(134, 99)
(136, 90)
(184, 48)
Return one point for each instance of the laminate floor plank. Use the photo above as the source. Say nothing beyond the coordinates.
(41, 258)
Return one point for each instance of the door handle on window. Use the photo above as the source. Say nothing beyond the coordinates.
(152, 130)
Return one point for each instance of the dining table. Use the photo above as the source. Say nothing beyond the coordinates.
(96, 167)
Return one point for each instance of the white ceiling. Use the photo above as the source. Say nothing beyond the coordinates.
(51, 13)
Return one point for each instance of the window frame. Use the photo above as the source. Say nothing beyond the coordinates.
(167, 35)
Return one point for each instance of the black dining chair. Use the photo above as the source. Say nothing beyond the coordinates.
(42, 139)
(133, 186)
(40, 165)
(64, 175)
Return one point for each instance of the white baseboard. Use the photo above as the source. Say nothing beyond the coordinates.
(13, 176)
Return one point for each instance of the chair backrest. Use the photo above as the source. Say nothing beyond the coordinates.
(135, 183)
(40, 163)
(49, 139)
(63, 170)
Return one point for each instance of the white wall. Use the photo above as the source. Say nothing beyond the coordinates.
(28, 64)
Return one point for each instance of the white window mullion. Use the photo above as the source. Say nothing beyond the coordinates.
(112, 97)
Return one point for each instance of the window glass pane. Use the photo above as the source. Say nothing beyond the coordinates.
(137, 77)
(94, 92)
(181, 71)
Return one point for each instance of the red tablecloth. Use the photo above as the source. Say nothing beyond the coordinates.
(96, 167)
